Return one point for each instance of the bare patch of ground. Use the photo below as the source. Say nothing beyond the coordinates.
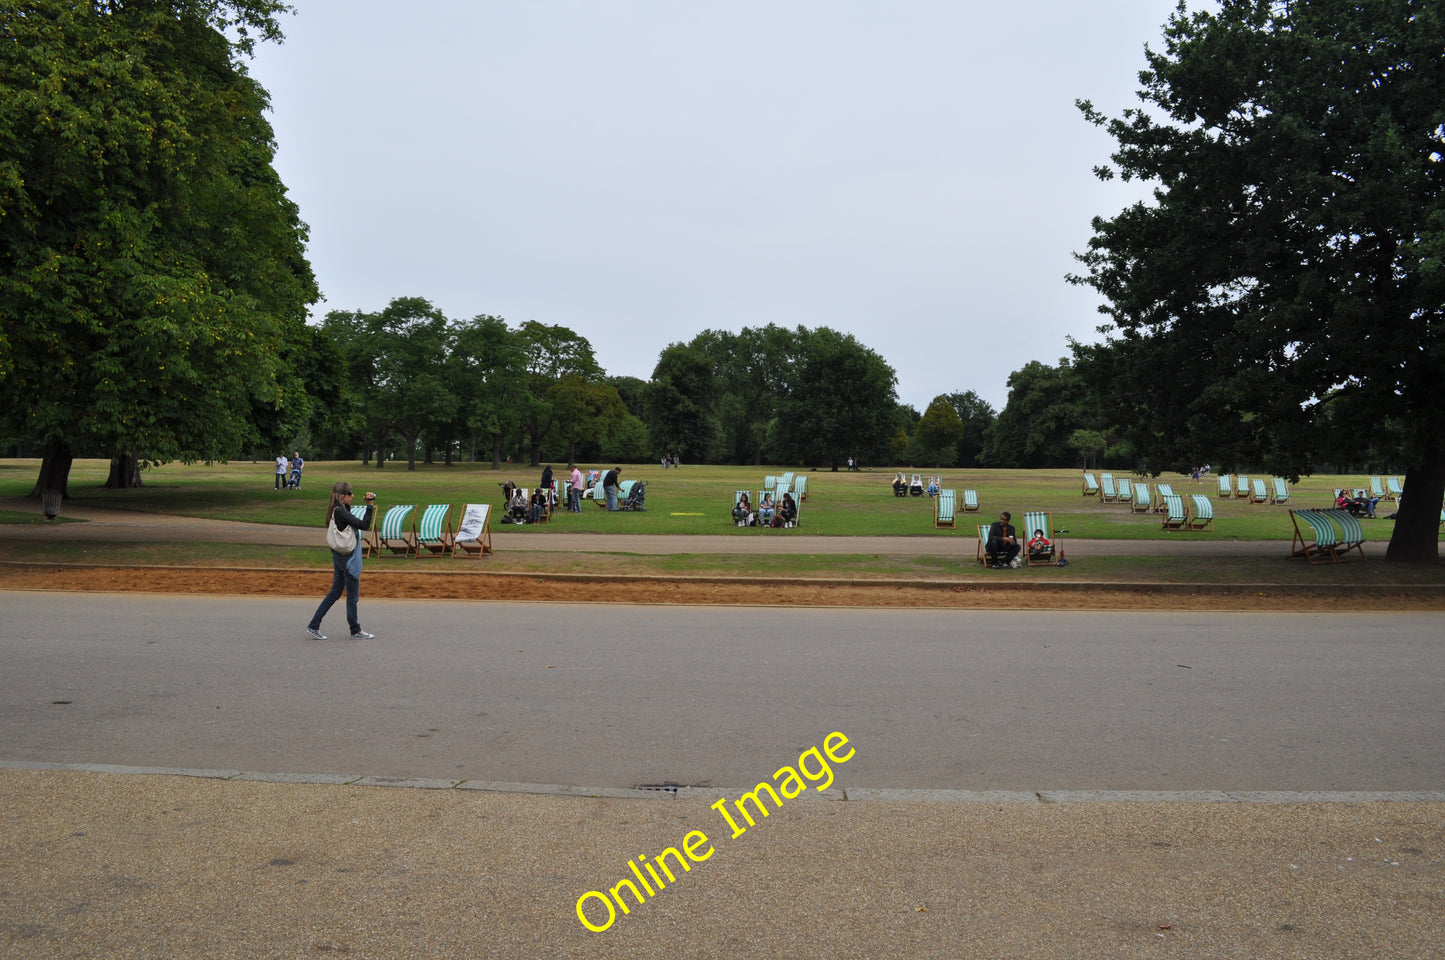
(479, 584)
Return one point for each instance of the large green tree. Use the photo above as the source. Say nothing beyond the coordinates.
(552, 352)
(839, 403)
(153, 280)
(1045, 406)
(1291, 262)
(680, 404)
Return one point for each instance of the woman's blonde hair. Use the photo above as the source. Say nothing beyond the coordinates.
(339, 489)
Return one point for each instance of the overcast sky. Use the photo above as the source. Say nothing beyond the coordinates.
(912, 173)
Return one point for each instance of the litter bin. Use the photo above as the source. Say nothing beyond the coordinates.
(50, 503)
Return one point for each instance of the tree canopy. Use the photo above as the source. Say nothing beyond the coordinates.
(154, 282)
(1289, 272)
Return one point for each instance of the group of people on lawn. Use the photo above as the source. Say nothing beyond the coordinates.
(768, 514)
(902, 487)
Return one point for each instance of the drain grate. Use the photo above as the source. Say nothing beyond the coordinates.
(668, 788)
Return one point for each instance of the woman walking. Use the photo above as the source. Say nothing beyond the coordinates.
(345, 567)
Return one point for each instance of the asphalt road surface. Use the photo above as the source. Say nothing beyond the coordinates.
(620, 696)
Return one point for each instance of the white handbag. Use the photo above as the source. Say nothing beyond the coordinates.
(340, 541)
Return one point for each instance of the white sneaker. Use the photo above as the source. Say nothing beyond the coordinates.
(1017, 563)
(363, 635)
(315, 634)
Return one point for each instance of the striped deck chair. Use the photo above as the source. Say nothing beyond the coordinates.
(769, 483)
(786, 480)
(398, 531)
(1392, 488)
(800, 489)
(1281, 491)
(1175, 516)
(1377, 488)
(1352, 534)
(943, 509)
(970, 501)
(368, 537)
(1316, 523)
(1161, 491)
(1142, 500)
(982, 553)
(1241, 487)
(1203, 513)
(434, 531)
(1038, 520)
(1091, 486)
(1258, 493)
(1226, 486)
(1126, 490)
(474, 533)
(1107, 492)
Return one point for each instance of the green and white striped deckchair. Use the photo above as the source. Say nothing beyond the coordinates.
(1142, 501)
(1377, 488)
(1241, 487)
(943, 509)
(800, 489)
(1108, 493)
(1325, 535)
(1336, 533)
(737, 496)
(1258, 492)
(1091, 486)
(1038, 520)
(1352, 534)
(1126, 490)
(474, 533)
(1226, 486)
(434, 531)
(1392, 488)
(786, 480)
(1161, 491)
(970, 501)
(398, 533)
(1281, 491)
(1175, 516)
(1203, 513)
(770, 482)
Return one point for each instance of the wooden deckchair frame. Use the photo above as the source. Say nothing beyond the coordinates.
(434, 533)
(943, 509)
(970, 501)
(1259, 493)
(1203, 517)
(1226, 486)
(1108, 493)
(1241, 487)
(1174, 519)
(1091, 486)
(474, 533)
(1040, 520)
(1143, 499)
(1281, 491)
(398, 535)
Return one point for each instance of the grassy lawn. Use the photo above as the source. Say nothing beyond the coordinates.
(1094, 569)
(690, 500)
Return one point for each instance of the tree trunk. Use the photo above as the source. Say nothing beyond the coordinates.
(54, 471)
(1417, 523)
(124, 473)
(496, 451)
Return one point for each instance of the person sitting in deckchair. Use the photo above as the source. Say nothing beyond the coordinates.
(788, 510)
(765, 509)
(517, 506)
(934, 483)
(743, 512)
(1040, 548)
(1002, 546)
(900, 485)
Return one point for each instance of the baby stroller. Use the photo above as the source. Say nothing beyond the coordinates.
(636, 497)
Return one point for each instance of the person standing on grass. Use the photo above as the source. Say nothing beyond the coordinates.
(281, 464)
(345, 567)
(611, 482)
(574, 489)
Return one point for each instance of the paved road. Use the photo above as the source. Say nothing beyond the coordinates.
(620, 696)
